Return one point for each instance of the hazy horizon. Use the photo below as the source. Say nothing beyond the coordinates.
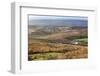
(57, 20)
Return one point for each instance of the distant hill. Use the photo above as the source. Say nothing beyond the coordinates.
(53, 29)
(58, 22)
(55, 32)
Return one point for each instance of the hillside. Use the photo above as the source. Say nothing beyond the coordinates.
(57, 42)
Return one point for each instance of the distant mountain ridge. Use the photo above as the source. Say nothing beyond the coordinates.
(45, 22)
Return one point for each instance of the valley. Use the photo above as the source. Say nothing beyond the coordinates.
(57, 42)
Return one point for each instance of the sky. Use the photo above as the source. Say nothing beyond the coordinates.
(57, 20)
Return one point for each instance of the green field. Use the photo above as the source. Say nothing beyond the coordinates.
(82, 41)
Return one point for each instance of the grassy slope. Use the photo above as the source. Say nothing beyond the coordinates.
(42, 48)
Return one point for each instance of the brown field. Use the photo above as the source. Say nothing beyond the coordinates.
(58, 51)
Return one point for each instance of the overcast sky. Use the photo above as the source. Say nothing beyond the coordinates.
(57, 20)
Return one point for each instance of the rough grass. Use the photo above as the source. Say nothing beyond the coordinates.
(59, 55)
(49, 51)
